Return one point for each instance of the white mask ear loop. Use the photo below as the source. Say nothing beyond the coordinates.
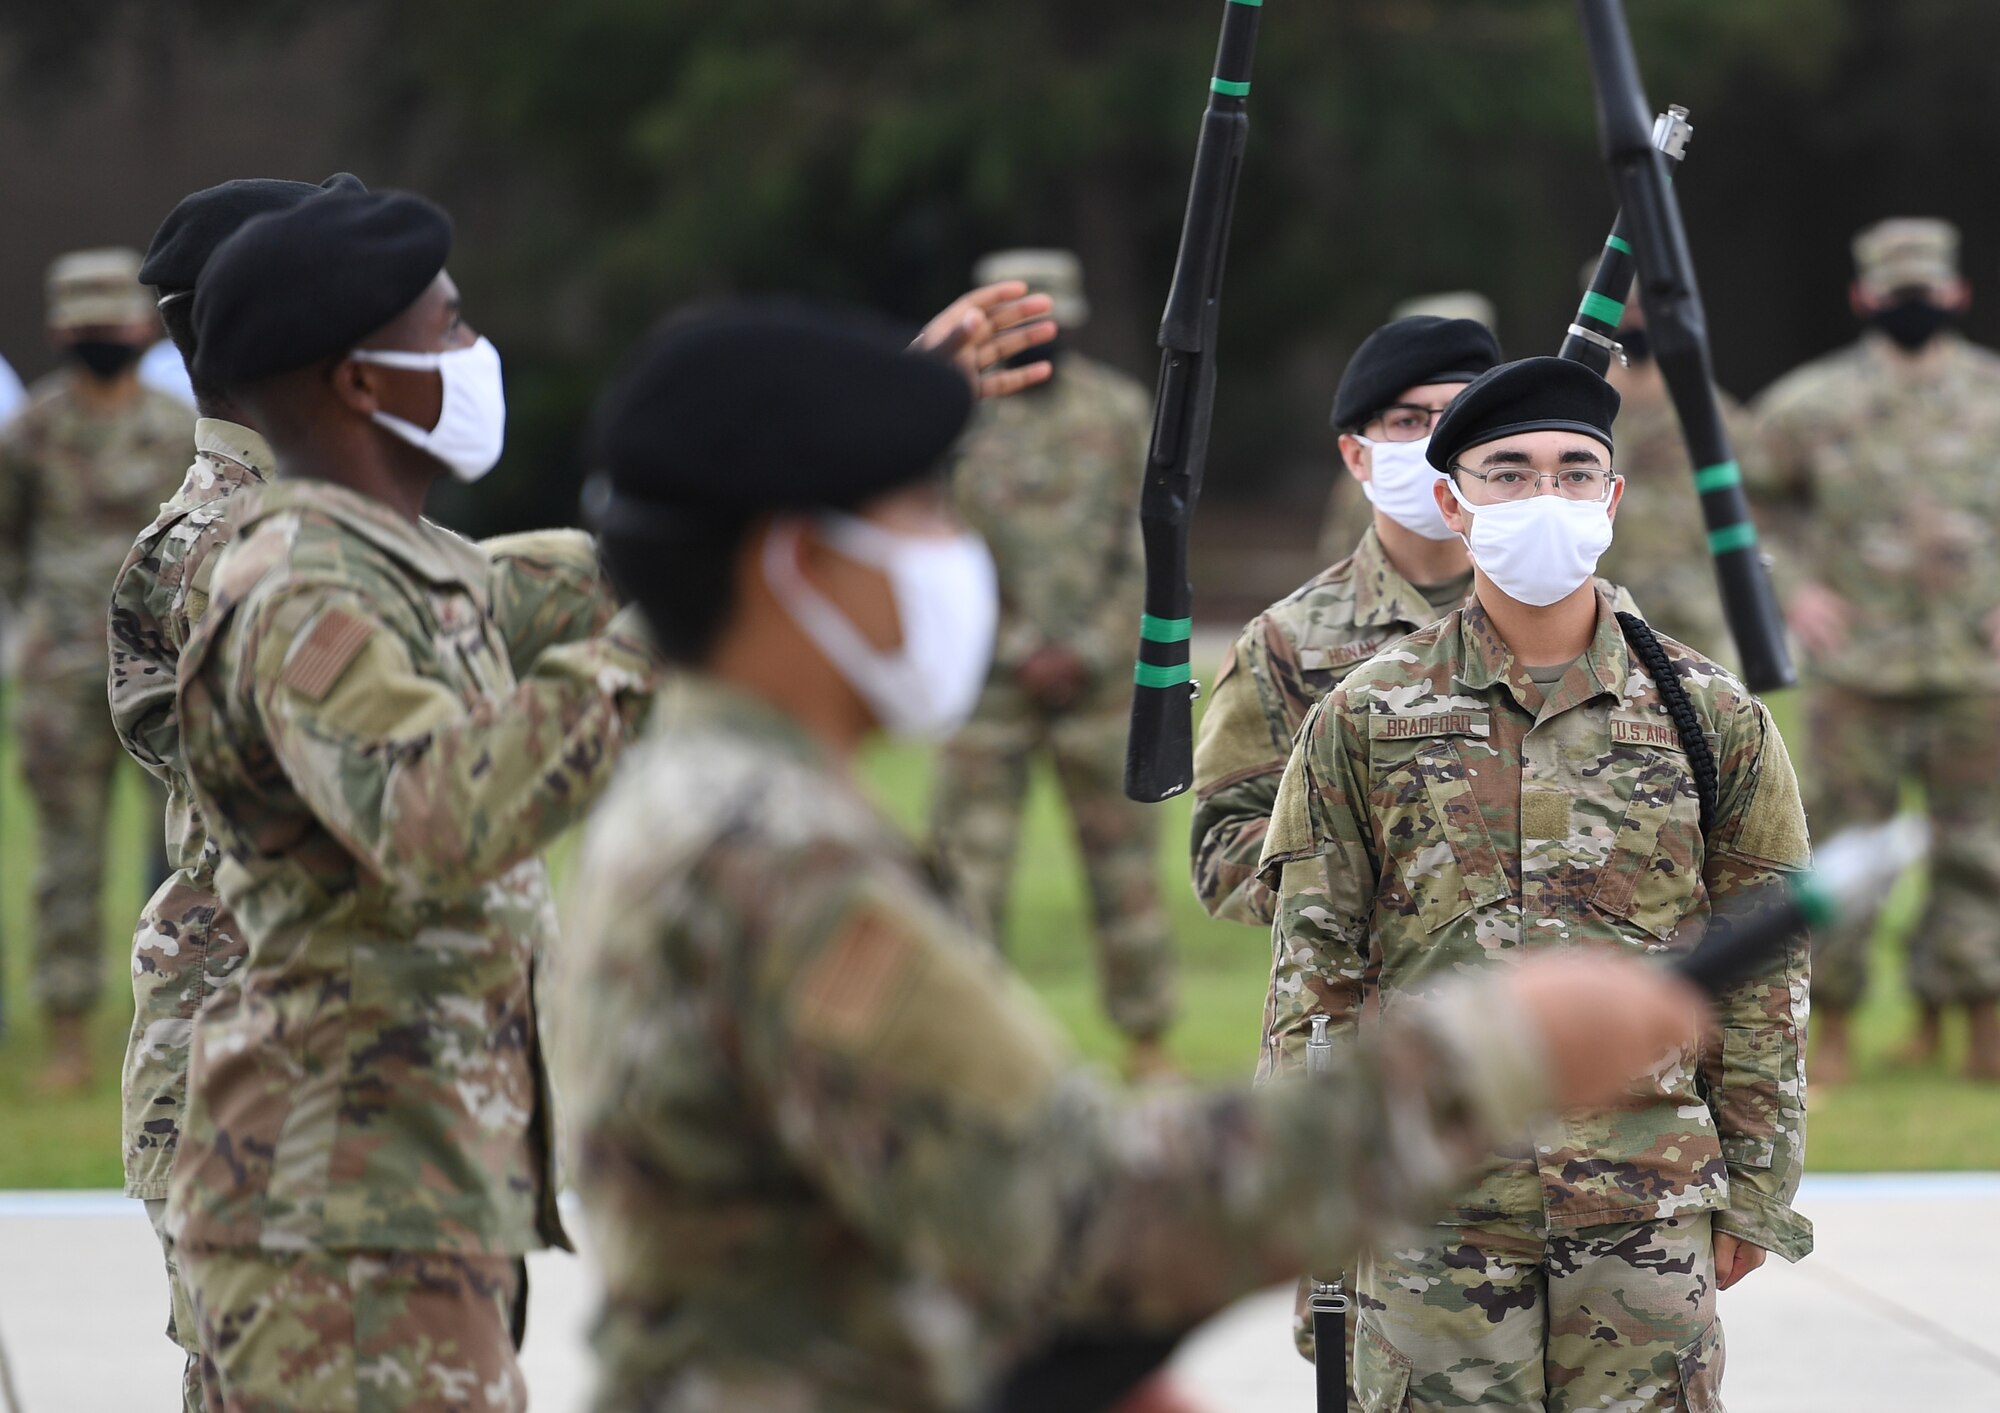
(824, 623)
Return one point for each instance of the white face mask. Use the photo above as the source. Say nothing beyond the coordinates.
(1539, 550)
(472, 421)
(1399, 486)
(947, 600)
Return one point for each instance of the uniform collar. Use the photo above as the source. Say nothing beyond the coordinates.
(1382, 597)
(693, 700)
(233, 442)
(1880, 349)
(427, 549)
(1485, 661)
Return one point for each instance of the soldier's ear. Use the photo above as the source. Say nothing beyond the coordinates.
(355, 384)
(1455, 518)
(1355, 457)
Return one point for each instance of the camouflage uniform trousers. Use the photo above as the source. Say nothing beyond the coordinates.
(976, 818)
(180, 1309)
(1513, 1315)
(1863, 749)
(358, 1332)
(69, 758)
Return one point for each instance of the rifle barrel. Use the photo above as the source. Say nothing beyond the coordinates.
(1159, 751)
(1678, 327)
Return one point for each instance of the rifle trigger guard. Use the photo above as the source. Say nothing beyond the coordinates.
(1611, 346)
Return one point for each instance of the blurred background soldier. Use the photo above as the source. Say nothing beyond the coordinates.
(1881, 475)
(1051, 479)
(1667, 568)
(1347, 511)
(82, 467)
(12, 395)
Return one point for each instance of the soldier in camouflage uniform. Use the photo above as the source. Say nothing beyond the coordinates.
(365, 1152)
(1348, 514)
(1405, 573)
(1668, 568)
(1052, 481)
(1514, 780)
(81, 467)
(832, 1154)
(383, 725)
(1878, 480)
(545, 590)
(1295, 652)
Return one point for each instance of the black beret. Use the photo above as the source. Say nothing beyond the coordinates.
(1408, 353)
(205, 219)
(311, 281)
(1532, 395)
(756, 406)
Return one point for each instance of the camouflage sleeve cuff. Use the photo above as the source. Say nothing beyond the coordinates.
(1763, 1220)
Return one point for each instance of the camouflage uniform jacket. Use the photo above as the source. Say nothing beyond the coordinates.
(1439, 816)
(1662, 555)
(186, 943)
(546, 588)
(1052, 480)
(1286, 659)
(74, 484)
(379, 783)
(835, 1157)
(1878, 482)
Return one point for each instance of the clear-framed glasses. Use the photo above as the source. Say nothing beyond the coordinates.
(1405, 422)
(1505, 483)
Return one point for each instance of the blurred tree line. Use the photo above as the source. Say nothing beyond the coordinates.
(609, 159)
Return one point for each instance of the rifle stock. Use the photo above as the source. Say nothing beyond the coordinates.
(1159, 751)
(1678, 327)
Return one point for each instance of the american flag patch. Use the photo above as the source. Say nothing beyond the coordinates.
(324, 653)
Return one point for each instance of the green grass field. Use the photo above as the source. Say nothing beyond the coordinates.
(1888, 1119)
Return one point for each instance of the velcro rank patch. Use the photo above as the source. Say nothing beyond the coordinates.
(1645, 731)
(1449, 723)
(1544, 814)
(316, 664)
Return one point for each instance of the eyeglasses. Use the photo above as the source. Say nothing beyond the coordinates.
(1405, 421)
(1505, 483)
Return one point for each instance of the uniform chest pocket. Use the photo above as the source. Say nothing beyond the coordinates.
(1431, 829)
(1652, 873)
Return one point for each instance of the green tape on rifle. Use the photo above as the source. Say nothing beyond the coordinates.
(1618, 244)
(1820, 907)
(1227, 88)
(1253, 4)
(1172, 674)
(1715, 478)
(1603, 308)
(1165, 630)
(1732, 537)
